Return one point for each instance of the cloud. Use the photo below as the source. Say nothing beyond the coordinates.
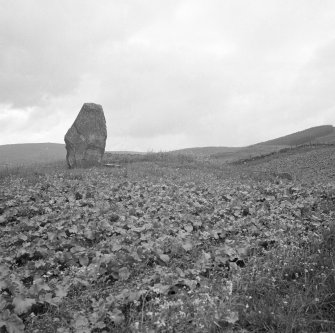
(168, 74)
(47, 47)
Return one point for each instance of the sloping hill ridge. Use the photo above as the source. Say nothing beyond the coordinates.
(30, 153)
(206, 151)
(306, 163)
(317, 134)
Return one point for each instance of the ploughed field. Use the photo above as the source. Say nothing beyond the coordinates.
(171, 244)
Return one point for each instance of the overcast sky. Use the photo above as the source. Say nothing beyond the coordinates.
(169, 73)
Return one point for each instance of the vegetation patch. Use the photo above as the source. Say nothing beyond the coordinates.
(166, 245)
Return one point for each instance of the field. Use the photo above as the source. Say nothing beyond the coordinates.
(230, 154)
(30, 153)
(170, 243)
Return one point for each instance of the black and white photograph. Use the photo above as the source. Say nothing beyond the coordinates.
(167, 166)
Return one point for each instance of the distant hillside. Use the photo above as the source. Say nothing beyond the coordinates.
(318, 134)
(29, 153)
(308, 163)
(229, 154)
(207, 151)
(313, 135)
(124, 152)
(330, 139)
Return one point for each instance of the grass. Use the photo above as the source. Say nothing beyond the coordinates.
(24, 170)
(290, 289)
(169, 244)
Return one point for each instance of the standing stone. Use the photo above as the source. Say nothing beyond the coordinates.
(86, 139)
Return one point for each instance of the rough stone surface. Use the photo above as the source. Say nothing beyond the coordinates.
(86, 138)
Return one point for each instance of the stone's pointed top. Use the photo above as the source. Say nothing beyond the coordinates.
(92, 105)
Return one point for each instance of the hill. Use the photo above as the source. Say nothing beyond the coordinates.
(229, 154)
(304, 163)
(207, 151)
(30, 153)
(317, 134)
(314, 135)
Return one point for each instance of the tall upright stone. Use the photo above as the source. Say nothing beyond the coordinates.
(86, 138)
